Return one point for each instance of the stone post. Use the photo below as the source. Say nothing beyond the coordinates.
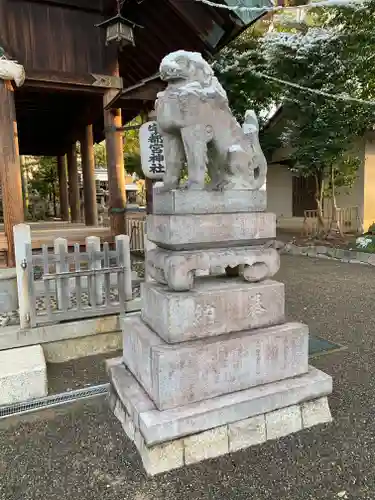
(125, 279)
(95, 283)
(62, 266)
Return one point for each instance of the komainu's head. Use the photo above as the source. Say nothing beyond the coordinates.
(186, 66)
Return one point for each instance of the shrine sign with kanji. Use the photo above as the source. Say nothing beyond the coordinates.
(152, 151)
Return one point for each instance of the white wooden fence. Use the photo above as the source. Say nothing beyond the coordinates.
(348, 219)
(73, 285)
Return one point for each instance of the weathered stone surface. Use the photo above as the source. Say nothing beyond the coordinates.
(8, 290)
(129, 427)
(161, 457)
(125, 419)
(282, 422)
(183, 201)
(130, 393)
(219, 440)
(185, 232)
(209, 444)
(112, 398)
(23, 374)
(159, 426)
(178, 269)
(217, 305)
(178, 374)
(248, 432)
(316, 412)
(199, 129)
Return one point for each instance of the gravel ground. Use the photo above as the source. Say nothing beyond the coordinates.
(78, 373)
(80, 452)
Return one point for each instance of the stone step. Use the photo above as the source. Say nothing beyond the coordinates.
(216, 305)
(190, 232)
(185, 201)
(178, 374)
(138, 413)
(23, 375)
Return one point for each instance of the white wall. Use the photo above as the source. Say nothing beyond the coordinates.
(279, 190)
(355, 196)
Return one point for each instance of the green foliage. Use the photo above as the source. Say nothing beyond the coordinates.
(132, 155)
(334, 53)
(133, 164)
(44, 178)
(100, 155)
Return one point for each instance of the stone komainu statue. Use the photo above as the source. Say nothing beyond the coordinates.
(199, 129)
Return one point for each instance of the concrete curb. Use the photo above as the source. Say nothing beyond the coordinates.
(339, 254)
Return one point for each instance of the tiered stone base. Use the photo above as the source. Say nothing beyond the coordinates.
(187, 372)
(210, 366)
(188, 434)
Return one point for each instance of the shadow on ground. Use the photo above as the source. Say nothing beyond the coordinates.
(79, 373)
(80, 452)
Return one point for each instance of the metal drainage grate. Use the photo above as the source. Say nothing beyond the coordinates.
(52, 401)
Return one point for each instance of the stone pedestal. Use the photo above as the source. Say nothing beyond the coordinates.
(187, 372)
(185, 202)
(195, 232)
(217, 305)
(210, 366)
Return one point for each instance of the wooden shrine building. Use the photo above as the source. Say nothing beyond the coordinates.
(79, 87)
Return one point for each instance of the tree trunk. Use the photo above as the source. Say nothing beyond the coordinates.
(333, 193)
(319, 183)
(334, 223)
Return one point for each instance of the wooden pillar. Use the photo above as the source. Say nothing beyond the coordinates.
(115, 157)
(88, 171)
(10, 168)
(116, 171)
(63, 187)
(73, 183)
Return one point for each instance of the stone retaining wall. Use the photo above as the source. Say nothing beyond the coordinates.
(339, 254)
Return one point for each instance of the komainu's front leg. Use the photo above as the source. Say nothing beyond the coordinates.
(195, 143)
(174, 160)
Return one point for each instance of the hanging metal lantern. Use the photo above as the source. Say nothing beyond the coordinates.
(119, 30)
